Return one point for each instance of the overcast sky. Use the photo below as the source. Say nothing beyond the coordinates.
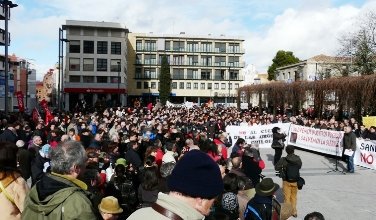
(306, 27)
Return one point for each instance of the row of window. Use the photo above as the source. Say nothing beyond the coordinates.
(88, 64)
(89, 48)
(151, 59)
(94, 79)
(190, 46)
(151, 73)
(188, 85)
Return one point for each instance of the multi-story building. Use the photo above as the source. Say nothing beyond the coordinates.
(315, 68)
(201, 67)
(96, 63)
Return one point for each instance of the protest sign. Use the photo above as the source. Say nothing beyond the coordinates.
(261, 134)
(369, 121)
(365, 154)
(323, 141)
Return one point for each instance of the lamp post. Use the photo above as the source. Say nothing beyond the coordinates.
(118, 82)
(61, 66)
(6, 5)
(229, 91)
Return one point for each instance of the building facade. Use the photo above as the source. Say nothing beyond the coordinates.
(315, 68)
(201, 68)
(96, 63)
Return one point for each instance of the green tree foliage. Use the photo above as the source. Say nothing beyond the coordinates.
(164, 81)
(282, 58)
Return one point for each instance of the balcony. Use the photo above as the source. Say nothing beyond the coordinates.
(147, 49)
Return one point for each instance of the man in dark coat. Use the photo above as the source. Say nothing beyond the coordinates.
(349, 143)
(9, 135)
(132, 156)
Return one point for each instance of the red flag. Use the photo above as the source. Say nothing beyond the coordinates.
(49, 116)
(35, 115)
(20, 97)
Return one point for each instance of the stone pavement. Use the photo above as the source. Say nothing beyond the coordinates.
(336, 196)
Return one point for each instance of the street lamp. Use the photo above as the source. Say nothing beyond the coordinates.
(6, 5)
(61, 66)
(118, 82)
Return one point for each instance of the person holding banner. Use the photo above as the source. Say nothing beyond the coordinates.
(278, 143)
(349, 147)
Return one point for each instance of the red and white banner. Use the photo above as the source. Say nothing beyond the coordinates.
(20, 101)
(365, 154)
(261, 134)
(323, 141)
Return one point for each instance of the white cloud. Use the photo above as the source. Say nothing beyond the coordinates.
(307, 28)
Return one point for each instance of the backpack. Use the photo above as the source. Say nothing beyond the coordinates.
(292, 172)
(127, 190)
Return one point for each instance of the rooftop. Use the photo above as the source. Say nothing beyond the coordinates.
(185, 36)
(97, 24)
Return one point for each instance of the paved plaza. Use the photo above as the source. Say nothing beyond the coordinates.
(336, 196)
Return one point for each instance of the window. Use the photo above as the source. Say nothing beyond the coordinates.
(181, 85)
(115, 66)
(236, 85)
(88, 79)
(101, 64)
(192, 60)
(195, 85)
(146, 85)
(115, 79)
(178, 60)
(206, 47)
(138, 85)
(223, 86)
(153, 85)
(192, 74)
(168, 45)
(234, 47)
(160, 59)
(178, 74)
(88, 46)
(209, 86)
(74, 78)
(220, 61)
(219, 75)
(192, 46)
(149, 73)
(74, 64)
(150, 45)
(116, 48)
(216, 86)
(230, 86)
(102, 47)
(234, 75)
(188, 85)
(202, 86)
(150, 59)
(205, 74)
(138, 73)
(220, 47)
(206, 60)
(178, 45)
(138, 59)
(88, 64)
(74, 46)
(174, 85)
(101, 79)
(138, 45)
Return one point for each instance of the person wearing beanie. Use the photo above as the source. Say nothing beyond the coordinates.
(194, 184)
(40, 164)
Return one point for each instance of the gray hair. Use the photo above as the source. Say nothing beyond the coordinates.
(67, 155)
(166, 169)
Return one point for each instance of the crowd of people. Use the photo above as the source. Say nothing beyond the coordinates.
(135, 163)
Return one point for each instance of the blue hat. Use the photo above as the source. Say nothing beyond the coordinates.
(45, 149)
(196, 175)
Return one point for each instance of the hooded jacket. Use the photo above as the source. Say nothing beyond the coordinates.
(56, 196)
(291, 160)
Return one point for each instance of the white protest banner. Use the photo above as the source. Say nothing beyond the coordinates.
(261, 134)
(365, 154)
(323, 141)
